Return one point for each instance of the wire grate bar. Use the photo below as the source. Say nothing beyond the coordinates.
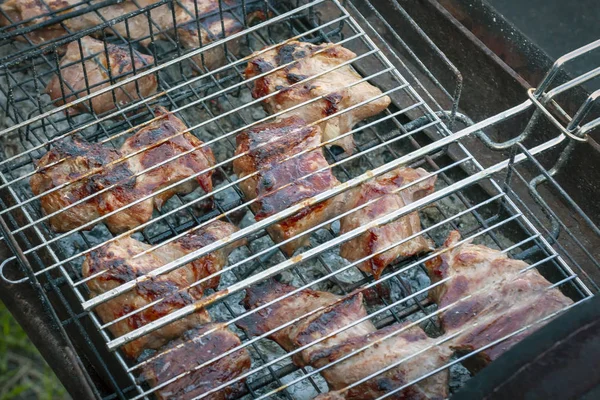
(484, 203)
(387, 277)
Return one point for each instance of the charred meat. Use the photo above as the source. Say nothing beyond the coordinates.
(294, 306)
(75, 170)
(80, 170)
(331, 314)
(504, 296)
(116, 263)
(385, 188)
(195, 348)
(164, 139)
(277, 157)
(89, 67)
(295, 87)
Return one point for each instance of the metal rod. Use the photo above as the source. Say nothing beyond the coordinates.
(294, 209)
(157, 68)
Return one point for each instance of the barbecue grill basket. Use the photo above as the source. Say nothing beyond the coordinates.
(499, 193)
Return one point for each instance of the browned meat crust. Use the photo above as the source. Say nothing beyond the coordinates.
(35, 12)
(191, 350)
(381, 237)
(503, 299)
(336, 315)
(95, 72)
(168, 126)
(193, 35)
(384, 352)
(331, 85)
(215, 24)
(116, 258)
(280, 312)
(81, 158)
(280, 181)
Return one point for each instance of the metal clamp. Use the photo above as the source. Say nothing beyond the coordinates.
(542, 108)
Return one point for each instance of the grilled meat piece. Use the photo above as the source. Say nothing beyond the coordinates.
(336, 314)
(306, 63)
(87, 166)
(381, 237)
(185, 353)
(35, 12)
(503, 298)
(181, 17)
(117, 259)
(93, 167)
(387, 348)
(164, 19)
(95, 72)
(280, 312)
(193, 35)
(139, 27)
(168, 126)
(333, 316)
(280, 181)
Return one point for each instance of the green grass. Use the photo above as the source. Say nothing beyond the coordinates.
(23, 372)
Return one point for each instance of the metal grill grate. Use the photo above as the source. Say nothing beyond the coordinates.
(483, 203)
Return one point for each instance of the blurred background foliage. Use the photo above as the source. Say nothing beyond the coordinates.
(23, 372)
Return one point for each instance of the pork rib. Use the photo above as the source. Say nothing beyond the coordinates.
(504, 297)
(389, 345)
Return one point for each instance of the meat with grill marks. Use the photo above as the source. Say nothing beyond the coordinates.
(389, 345)
(305, 61)
(117, 264)
(86, 169)
(277, 159)
(89, 67)
(295, 306)
(385, 187)
(396, 343)
(194, 348)
(163, 140)
(504, 297)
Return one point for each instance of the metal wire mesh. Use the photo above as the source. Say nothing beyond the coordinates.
(482, 203)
